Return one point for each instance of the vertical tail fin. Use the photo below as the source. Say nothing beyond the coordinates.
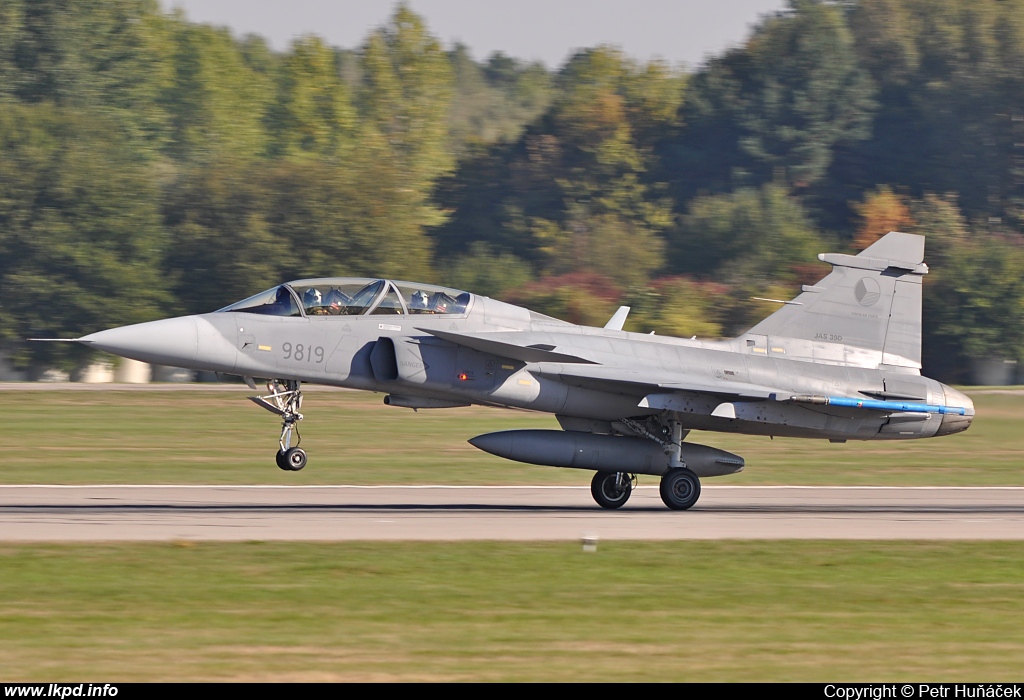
(870, 303)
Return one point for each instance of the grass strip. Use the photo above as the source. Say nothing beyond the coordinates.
(217, 437)
(680, 611)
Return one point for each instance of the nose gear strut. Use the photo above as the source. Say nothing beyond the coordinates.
(285, 400)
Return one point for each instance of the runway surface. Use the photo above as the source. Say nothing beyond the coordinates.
(333, 513)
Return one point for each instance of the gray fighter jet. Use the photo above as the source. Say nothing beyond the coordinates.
(839, 362)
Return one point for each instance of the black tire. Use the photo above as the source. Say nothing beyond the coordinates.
(606, 493)
(680, 488)
(281, 462)
(295, 458)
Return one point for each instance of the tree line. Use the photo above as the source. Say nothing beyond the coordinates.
(151, 166)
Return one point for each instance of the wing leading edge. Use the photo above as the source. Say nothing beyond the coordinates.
(523, 353)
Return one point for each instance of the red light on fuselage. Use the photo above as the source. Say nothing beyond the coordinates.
(463, 376)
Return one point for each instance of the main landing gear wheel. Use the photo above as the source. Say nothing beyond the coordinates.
(680, 488)
(611, 489)
(292, 460)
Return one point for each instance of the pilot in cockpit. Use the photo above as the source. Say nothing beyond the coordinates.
(419, 302)
(283, 301)
(312, 300)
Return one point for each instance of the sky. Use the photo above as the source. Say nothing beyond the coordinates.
(682, 32)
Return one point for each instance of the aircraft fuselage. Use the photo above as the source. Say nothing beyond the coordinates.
(841, 362)
(394, 355)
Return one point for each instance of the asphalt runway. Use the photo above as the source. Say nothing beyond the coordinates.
(335, 513)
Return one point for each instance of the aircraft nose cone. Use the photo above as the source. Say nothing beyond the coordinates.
(172, 341)
(954, 422)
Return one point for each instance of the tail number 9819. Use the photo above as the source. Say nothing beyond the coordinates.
(303, 353)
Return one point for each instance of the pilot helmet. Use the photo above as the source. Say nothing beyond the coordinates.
(419, 299)
(312, 297)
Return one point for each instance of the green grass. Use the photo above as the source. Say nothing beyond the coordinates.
(681, 611)
(702, 611)
(218, 437)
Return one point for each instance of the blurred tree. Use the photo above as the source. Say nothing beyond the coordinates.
(494, 101)
(346, 187)
(105, 55)
(257, 54)
(404, 104)
(216, 100)
(676, 306)
(313, 115)
(80, 236)
(882, 211)
(579, 297)
(947, 246)
(221, 246)
(485, 270)
(529, 85)
(886, 36)
(777, 106)
(477, 195)
(754, 236)
(610, 244)
(940, 220)
(355, 219)
(239, 226)
(12, 14)
(951, 115)
(974, 307)
(572, 194)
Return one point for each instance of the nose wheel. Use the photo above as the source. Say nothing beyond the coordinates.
(292, 459)
(285, 400)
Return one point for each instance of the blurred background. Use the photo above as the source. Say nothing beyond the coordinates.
(151, 165)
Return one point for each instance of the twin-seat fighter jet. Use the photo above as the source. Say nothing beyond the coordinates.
(840, 362)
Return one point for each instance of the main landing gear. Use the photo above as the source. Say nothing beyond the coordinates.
(680, 486)
(612, 489)
(285, 400)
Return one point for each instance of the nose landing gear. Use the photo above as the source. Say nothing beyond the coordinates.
(292, 459)
(285, 400)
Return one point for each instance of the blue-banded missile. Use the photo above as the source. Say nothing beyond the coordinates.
(558, 448)
(875, 405)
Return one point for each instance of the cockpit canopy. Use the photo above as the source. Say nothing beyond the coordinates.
(354, 296)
